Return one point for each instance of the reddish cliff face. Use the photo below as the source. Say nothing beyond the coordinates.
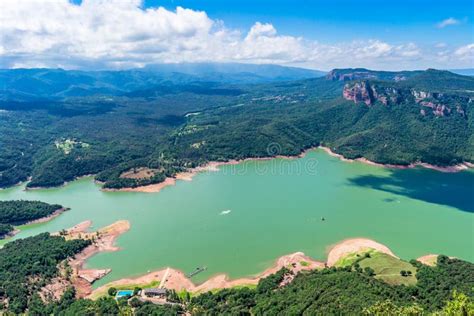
(359, 92)
(370, 93)
(438, 108)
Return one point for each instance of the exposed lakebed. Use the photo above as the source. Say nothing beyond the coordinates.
(239, 219)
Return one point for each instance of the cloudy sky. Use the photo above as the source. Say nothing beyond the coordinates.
(120, 34)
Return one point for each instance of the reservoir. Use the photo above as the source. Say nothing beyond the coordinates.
(238, 220)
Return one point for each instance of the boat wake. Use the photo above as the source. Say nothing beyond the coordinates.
(225, 212)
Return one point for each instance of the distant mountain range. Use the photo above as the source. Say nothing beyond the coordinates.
(236, 72)
(349, 74)
(41, 83)
(465, 72)
(27, 84)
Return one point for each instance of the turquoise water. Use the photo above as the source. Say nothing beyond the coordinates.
(240, 219)
(122, 293)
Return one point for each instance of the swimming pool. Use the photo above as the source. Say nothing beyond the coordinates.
(122, 293)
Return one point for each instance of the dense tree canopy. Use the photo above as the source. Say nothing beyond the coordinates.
(5, 229)
(28, 264)
(14, 212)
(343, 291)
(20, 212)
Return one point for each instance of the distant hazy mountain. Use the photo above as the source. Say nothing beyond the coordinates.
(24, 84)
(237, 71)
(348, 74)
(465, 72)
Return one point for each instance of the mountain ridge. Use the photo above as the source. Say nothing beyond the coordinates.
(58, 83)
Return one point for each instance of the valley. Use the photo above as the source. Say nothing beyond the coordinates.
(231, 177)
(250, 158)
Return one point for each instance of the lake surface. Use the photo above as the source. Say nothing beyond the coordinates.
(239, 219)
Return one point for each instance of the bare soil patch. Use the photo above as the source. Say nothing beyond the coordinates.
(139, 173)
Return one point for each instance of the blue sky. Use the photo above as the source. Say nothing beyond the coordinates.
(343, 20)
(117, 34)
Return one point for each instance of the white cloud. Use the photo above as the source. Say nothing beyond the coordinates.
(465, 52)
(447, 22)
(259, 29)
(120, 34)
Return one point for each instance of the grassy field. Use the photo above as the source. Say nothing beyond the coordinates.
(182, 295)
(387, 268)
(249, 286)
(237, 287)
(351, 258)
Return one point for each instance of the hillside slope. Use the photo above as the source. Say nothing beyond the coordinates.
(425, 117)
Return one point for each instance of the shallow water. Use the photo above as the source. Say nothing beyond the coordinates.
(240, 219)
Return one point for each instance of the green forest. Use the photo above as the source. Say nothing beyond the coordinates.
(346, 290)
(20, 212)
(27, 265)
(168, 127)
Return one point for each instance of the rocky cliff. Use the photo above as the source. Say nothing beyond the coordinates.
(370, 93)
(364, 91)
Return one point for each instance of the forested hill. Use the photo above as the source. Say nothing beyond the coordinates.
(29, 265)
(166, 127)
(21, 212)
(346, 291)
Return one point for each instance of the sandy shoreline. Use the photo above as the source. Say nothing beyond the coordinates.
(355, 245)
(10, 234)
(185, 176)
(103, 240)
(189, 174)
(214, 166)
(448, 169)
(59, 186)
(37, 221)
(177, 280)
(49, 217)
(429, 260)
(295, 262)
